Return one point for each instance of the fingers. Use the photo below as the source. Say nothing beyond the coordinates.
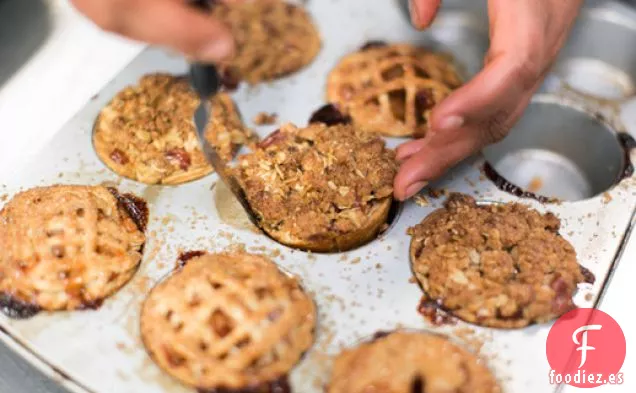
(492, 94)
(432, 160)
(423, 12)
(407, 149)
(429, 158)
(169, 23)
(480, 113)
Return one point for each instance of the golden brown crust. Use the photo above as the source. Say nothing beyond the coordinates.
(407, 363)
(500, 265)
(320, 188)
(391, 89)
(227, 321)
(146, 132)
(66, 247)
(273, 38)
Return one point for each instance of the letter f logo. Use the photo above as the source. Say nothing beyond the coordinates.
(583, 344)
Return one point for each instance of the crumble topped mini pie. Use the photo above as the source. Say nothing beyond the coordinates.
(273, 39)
(231, 322)
(68, 247)
(146, 132)
(320, 188)
(403, 362)
(391, 89)
(498, 265)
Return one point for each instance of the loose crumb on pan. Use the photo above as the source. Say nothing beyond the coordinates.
(421, 200)
(498, 265)
(264, 118)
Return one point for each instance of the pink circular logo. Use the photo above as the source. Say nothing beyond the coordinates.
(586, 349)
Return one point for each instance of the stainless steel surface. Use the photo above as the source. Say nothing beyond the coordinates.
(600, 57)
(559, 151)
(357, 293)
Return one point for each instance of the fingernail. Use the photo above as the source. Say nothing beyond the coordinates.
(414, 14)
(451, 123)
(414, 188)
(217, 50)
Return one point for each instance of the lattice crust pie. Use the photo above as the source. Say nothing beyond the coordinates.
(146, 132)
(228, 321)
(391, 89)
(320, 188)
(500, 265)
(273, 39)
(404, 362)
(68, 247)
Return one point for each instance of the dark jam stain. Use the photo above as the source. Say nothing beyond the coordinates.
(185, 257)
(379, 335)
(628, 143)
(504, 185)
(230, 79)
(17, 309)
(272, 139)
(417, 386)
(280, 385)
(91, 305)
(373, 44)
(435, 313)
(136, 207)
(587, 275)
(329, 115)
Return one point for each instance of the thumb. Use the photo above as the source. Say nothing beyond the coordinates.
(423, 12)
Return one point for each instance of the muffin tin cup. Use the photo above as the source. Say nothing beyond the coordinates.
(358, 293)
(599, 59)
(560, 150)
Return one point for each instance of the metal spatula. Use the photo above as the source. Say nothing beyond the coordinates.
(205, 81)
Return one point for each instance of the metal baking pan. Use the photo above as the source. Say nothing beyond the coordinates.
(359, 292)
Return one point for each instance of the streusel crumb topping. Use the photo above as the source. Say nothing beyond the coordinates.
(318, 179)
(500, 265)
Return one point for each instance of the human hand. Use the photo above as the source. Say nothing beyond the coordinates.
(171, 23)
(525, 36)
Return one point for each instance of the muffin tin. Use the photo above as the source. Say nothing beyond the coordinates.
(571, 135)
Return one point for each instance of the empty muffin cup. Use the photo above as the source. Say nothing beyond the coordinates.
(599, 59)
(559, 151)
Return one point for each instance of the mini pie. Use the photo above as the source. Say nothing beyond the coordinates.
(146, 132)
(320, 188)
(273, 39)
(403, 362)
(228, 321)
(499, 265)
(391, 89)
(69, 247)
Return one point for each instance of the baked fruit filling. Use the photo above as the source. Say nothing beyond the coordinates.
(68, 247)
(403, 362)
(273, 39)
(320, 188)
(228, 322)
(392, 89)
(498, 265)
(146, 132)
